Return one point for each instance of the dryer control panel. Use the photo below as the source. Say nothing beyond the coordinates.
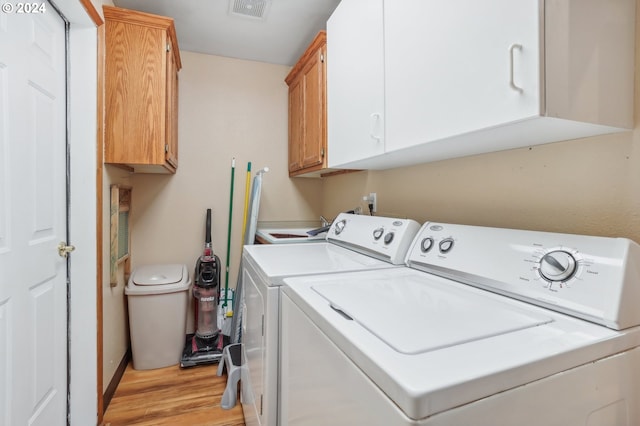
(593, 278)
(385, 238)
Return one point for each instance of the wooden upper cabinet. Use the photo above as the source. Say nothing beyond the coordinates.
(141, 91)
(307, 110)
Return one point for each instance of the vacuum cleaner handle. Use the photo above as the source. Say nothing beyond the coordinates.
(207, 235)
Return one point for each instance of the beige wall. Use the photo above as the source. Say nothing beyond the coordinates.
(115, 327)
(587, 186)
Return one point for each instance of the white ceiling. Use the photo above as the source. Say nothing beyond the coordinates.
(207, 26)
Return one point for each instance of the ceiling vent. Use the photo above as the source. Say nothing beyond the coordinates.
(256, 9)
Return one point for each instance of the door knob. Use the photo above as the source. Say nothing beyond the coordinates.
(64, 249)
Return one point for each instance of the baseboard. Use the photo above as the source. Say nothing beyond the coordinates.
(115, 380)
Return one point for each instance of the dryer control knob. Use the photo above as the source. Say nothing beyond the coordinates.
(557, 265)
(340, 226)
(389, 237)
(377, 233)
(426, 244)
(446, 245)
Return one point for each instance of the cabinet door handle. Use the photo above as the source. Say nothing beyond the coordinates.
(511, 82)
(375, 126)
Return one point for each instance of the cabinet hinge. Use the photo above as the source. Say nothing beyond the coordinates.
(322, 152)
(321, 57)
(168, 47)
(166, 147)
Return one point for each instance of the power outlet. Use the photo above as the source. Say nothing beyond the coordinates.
(372, 198)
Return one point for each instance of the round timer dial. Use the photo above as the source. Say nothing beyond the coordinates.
(558, 265)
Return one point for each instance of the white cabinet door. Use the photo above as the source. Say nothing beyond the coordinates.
(449, 65)
(355, 81)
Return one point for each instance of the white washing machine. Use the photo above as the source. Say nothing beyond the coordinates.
(353, 243)
(486, 327)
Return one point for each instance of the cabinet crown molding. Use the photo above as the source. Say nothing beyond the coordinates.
(317, 43)
(118, 14)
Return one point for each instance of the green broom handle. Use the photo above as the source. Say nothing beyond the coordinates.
(226, 278)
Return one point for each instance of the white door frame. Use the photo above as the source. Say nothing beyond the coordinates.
(82, 138)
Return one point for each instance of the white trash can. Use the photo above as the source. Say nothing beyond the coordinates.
(158, 297)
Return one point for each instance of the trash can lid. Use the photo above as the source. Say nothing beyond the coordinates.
(158, 279)
(158, 274)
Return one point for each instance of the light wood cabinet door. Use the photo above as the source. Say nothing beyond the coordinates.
(314, 136)
(171, 154)
(308, 110)
(141, 87)
(296, 125)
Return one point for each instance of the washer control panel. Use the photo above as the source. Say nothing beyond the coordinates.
(385, 238)
(594, 278)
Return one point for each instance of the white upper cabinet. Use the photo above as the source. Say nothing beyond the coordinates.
(452, 78)
(355, 67)
(448, 66)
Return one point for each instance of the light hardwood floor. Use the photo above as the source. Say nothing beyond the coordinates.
(171, 396)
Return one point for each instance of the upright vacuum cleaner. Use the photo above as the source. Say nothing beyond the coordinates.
(206, 344)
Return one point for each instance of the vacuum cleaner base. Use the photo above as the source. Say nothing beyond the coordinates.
(196, 353)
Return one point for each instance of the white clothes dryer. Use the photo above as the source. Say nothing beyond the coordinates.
(353, 243)
(487, 327)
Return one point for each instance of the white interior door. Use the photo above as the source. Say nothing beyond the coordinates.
(33, 291)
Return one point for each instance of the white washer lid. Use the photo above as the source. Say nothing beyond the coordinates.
(397, 315)
(158, 274)
(278, 261)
